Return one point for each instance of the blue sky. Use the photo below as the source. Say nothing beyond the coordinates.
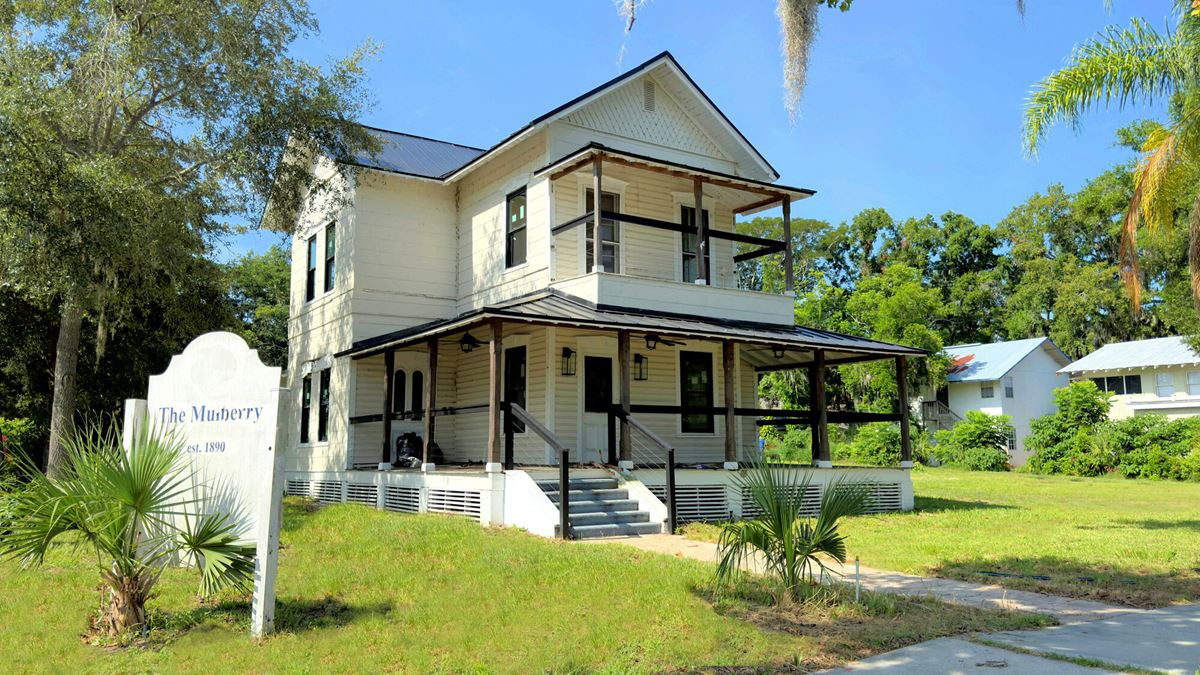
(912, 106)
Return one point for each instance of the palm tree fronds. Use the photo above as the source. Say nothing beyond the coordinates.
(1121, 65)
(224, 558)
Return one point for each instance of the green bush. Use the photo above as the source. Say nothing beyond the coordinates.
(978, 442)
(17, 436)
(1151, 446)
(1063, 442)
(876, 444)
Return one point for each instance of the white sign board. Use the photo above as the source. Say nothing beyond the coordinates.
(224, 403)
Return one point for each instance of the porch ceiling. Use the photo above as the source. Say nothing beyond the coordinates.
(553, 307)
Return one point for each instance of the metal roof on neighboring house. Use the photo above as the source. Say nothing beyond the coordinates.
(558, 308)
(1168, 351)
(416, 155)
(989, 362)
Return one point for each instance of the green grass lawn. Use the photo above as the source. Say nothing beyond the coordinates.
(1133, 542)
(367, 591)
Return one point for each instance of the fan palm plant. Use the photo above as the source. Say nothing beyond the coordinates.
(1128, 66)
(791, 544)
(138, 512)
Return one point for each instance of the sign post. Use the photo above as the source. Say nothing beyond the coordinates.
(224, 404)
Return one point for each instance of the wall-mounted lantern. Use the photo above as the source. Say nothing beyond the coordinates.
(651, 341)
(468, 343)
(568, 361)
(779, 352)
(641, 367)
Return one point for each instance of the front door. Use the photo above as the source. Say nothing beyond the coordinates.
(597, 401)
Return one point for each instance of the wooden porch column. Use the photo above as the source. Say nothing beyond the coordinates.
(495, 436)
(430, 400)
(788, 274)
(729, 373)
(597, 246)
(702, 271)
(902, 400)
(389, 370)
(626, 431)
(820, 418)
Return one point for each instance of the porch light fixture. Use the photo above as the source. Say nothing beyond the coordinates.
(651, 341)
(468, 343)
(568, 361)
(641, 365)
(778, 351)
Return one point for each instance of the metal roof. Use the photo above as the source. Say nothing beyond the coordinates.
(558, 308)
(416, 155)
(989, 362)
(1168, 351)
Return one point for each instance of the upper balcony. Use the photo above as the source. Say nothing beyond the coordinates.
(653, 253)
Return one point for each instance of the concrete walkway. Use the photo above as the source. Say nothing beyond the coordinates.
(951, 655)
(1067, 610)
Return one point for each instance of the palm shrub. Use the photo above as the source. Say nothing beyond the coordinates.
(135, 513)
(789, 543)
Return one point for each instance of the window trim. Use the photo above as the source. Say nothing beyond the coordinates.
(324, 404)
(522, 191)
(711, 426)
(306, 410)
(330, 271)
(619, 191)
(310, 273)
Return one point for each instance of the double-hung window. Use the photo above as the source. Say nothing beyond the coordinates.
(1009, 388)
(399, 388)
(1193, 381)
(1164, 384)
(515, 237)
(417, 404)
(987, 390)
(330, 247)
(305, 407)
(323, 407)
(610, 233)
(690, 244)
(310, 278)
(696, 391)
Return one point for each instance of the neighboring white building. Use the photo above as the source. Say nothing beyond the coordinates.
(1015, 378)
(1161, 376)
(460, 286)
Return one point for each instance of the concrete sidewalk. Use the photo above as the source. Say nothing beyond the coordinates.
(991, 596)
(1166, 640)
(950, 655)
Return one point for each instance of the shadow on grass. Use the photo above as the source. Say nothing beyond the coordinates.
(936, 504)
(292, 615)
(295, 512)
(1155, 524)
(1068, 578)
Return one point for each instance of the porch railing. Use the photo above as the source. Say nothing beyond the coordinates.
(640, 432)
(514, 414)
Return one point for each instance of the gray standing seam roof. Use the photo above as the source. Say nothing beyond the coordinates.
(416, 155)
(1168, 351)
(558, 307)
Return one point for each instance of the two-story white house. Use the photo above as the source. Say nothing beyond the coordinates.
(553, 302)
(1016, 378)
(1160, 375)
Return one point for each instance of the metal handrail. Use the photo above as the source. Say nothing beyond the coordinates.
(514, 412)
(636, 425)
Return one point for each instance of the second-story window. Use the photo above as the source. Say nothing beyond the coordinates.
(1009, 389)
(1164, 384)
(515, 235)
(330, 247)
(690, 244)
(610, 233)
(310, 278)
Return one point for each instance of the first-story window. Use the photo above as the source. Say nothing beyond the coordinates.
(1009, 389)
(987, 390)
(1193, 382)
(696, 391)
(330, 248)
(417, 402)
(1133, 384)
(514, 380)
(399, 382)
(310, 276)
(1012, 440)
(305, 407)
(1164, 384)
(515, 232)
(323, 407)
(610, 233)
(689, 245)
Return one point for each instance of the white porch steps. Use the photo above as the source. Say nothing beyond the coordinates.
(599, 508)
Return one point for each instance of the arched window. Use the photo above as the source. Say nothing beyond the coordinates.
(398, 391)
(417, 402)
